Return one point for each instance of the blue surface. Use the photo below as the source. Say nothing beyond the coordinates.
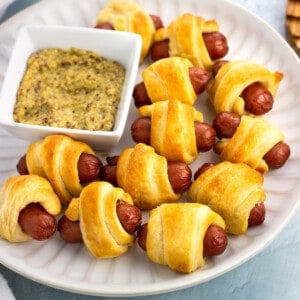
(272, 274)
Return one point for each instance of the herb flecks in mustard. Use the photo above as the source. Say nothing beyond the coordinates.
(71, 88)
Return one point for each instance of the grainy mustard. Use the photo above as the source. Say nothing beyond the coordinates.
(71, 88)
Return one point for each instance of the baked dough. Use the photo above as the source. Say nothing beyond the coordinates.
(144, 175)
(127, 15)
(95, 208)
(56, 157)
(231, 190)
(253, 138)
(185, 38)
(173, 130)
(176, 232)
(232, 78)
(15, 194)
(169, 79)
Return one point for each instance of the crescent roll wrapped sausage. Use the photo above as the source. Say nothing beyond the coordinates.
(253, 138)
(56, 158)
(15, 194)
(176, 232)
(173, 130)
(169, 79)
(185, 35)
(127, 15)
(144, 175)
(225, 91)
(101, 229)
(232, 190)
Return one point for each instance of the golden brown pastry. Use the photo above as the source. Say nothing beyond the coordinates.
(176, 232)
(127, 15)
(169, 79)
(95, 208)
(143, 174)
(15, 194)
(56, 158)
(231, 190)
(253, 138)
(225, 91)
(173, 129)
(185, 35)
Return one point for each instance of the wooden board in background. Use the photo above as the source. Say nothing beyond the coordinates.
(293, 23)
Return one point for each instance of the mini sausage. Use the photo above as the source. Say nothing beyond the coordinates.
(158, 23)
(258, 212)
(215, 42)
(106, 25)
(112, 160)
(108, 171)
(202, 169)
(179, 175)
(205, 134)
(198, 76)
(257, 215)
(217, 66)
(37, 222)
(258, 100)
(160, 50)
(69, 230)
(142, 236)
(141, 130)
(214, 243)
(22, 166)
(129, 215)
(156, 20)
(88, 165)
(225, 125)
(140, 95)
(278, 155)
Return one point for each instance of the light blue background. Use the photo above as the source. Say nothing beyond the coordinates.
(273, 274)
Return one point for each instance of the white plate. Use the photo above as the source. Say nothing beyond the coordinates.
(71, 267)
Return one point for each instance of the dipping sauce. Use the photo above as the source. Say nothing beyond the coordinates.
(70, 88)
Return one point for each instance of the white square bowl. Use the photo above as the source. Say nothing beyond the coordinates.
(122, 47)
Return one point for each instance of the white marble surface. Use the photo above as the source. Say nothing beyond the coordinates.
(272, 274)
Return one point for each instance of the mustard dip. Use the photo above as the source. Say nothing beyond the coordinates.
(71, 88)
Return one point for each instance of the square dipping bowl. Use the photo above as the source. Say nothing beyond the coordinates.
(122, 47)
